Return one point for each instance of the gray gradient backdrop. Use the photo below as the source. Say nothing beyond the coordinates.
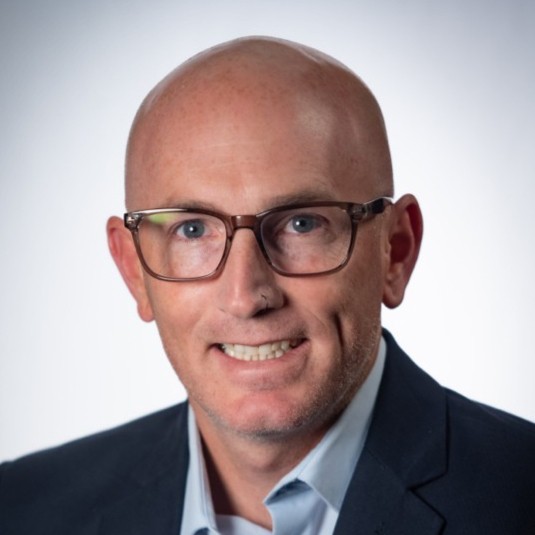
(457, 84)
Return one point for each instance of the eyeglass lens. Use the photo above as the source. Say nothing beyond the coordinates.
(296, 241)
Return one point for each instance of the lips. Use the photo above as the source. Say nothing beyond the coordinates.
(269, 351)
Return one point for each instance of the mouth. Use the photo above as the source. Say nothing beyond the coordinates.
(269, 351)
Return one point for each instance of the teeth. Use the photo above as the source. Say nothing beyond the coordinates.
(263, 352)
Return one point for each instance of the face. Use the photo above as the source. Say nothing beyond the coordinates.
(243, 158)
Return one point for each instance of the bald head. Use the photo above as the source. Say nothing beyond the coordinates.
(259, 89)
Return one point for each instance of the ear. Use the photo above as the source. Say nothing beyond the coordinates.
(124, 254)
(405, 238)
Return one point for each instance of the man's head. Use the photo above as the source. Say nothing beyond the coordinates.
(239, 129)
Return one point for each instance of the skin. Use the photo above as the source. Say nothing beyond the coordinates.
(241, 128)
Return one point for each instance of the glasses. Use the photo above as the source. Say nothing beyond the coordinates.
(181, 244)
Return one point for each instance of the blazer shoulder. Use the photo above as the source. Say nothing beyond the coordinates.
(488, 429)
(112, 444)
(83, 475)
(490, 480)
(472, 464)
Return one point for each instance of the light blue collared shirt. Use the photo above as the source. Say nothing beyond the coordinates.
(308, 499)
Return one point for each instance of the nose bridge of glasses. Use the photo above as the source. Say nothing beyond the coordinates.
(250, 222)
(242, 221)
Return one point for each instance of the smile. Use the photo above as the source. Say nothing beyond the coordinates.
(272, 350)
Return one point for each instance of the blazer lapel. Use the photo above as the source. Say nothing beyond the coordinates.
(405, 448)
(155, 506)
(377, 503)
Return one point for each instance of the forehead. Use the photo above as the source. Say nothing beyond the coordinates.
(248, 163)
(238, 141)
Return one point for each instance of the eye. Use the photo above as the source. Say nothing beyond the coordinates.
(191, 229)
(304, 223)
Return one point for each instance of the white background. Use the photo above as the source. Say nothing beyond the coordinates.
(456, 81)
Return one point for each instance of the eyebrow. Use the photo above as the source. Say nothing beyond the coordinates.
(278, 200)
(301, 197)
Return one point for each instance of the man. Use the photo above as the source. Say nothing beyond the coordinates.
(262, 238)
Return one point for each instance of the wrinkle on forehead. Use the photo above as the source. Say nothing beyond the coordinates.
(256, 84)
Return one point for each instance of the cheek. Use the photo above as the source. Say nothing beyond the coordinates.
(353, 298)
(358, 285)
(176, 302)
(177, 309)
(341, 310)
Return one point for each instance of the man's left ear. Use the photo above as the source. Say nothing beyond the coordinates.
(404, 239)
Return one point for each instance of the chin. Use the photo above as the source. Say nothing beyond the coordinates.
(273, 422)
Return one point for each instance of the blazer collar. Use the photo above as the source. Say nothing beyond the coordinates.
(405, 448)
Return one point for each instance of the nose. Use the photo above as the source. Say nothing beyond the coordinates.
(247, 285)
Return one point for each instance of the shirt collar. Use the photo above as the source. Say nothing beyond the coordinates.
(327, 468)
(198, 512)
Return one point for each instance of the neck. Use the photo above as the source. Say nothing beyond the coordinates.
(242, 470)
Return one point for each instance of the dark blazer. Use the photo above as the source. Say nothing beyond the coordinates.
(434, 463)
